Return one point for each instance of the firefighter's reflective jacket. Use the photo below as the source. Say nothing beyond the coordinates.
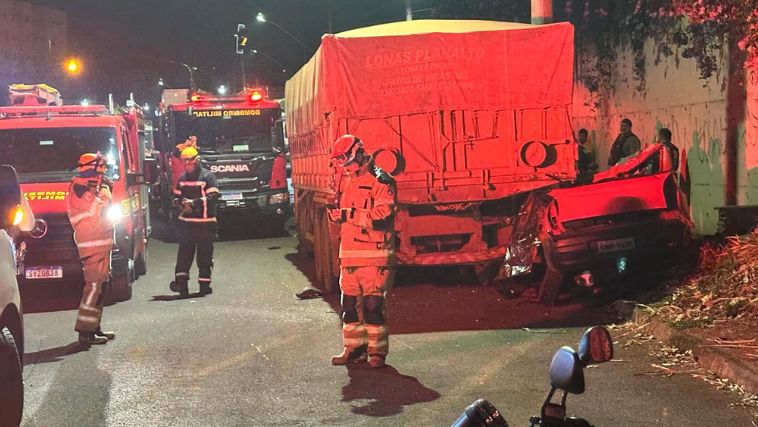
(93, 232)
(367, 203)
(201, 187)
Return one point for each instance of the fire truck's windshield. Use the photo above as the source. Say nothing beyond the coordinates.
(51, 154)
(227, 131)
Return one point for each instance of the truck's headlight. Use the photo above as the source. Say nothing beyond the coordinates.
(278, 198)
(114, 214)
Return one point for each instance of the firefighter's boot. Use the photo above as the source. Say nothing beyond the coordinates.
(350, 355)
(205, 288)
(179, 286)
(86, 339)
(376, 361)
(109, 335)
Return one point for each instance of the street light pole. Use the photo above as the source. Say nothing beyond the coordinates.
(191, 73)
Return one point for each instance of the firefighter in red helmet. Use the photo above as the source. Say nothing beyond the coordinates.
(366, 213)
(89, 197)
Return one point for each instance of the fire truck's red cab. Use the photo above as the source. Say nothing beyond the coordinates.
(241, 141)
(43, 143)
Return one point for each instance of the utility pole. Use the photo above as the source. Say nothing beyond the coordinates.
(408, 10)
(244, 76)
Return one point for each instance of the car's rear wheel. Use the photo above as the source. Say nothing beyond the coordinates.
(11, 381)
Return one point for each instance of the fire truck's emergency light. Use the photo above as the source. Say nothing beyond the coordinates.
(250, 95)
(256, 95)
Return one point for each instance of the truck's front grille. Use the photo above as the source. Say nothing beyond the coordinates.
(440, 243)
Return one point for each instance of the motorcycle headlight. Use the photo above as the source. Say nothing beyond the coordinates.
(114, 213)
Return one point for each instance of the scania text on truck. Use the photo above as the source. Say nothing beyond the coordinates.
(240, 140)
(43, 143)
(468, 116)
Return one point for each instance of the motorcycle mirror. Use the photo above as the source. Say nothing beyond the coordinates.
(566, 371)
(595, 346)
(10, 194)
(481, 413)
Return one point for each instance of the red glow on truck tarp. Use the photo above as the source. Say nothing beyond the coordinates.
(46, 198)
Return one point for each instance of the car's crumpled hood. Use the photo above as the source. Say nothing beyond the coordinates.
(611, 197)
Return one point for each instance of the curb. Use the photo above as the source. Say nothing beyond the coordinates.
(714, 359)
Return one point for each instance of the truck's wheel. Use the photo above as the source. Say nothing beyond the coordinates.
(121, 284)
(11, 381)
(325, 255)
(140, 264)
(550, 286)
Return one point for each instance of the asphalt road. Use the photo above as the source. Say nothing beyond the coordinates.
(252, 354)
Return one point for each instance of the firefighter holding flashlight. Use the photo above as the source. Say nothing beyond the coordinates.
(88, 199)
(366, 213)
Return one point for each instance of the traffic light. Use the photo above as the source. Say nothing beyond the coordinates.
(241, 39)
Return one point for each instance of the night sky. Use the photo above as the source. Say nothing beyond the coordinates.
(125, 44)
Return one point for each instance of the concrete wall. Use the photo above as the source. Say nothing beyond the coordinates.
(696, 112)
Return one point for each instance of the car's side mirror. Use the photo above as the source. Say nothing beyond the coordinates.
(566, 372)
(595, 346)
(10, 197)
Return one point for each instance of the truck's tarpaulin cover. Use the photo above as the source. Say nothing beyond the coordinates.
(416, 67)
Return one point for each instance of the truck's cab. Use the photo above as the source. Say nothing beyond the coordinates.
(43, 143)
(240, 140)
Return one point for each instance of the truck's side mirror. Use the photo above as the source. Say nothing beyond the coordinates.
(277, 135)
(10, 196)
(150, 170)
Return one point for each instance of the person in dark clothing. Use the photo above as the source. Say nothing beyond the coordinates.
(664, 138)
(195, 194)
(626, 144)
(586, 161)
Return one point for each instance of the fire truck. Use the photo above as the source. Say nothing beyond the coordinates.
(43, 139)
(468, 116)
(240, 139)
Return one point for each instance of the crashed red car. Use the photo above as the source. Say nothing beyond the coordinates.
(631, 217)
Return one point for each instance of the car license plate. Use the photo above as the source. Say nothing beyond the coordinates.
(47, 272)
(615, 245)
(231, 196)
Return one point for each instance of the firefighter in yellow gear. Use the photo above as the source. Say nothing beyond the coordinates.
(366, 213)
(89, 196)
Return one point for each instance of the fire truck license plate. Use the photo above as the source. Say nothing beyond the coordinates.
(231, 196)
(47, 272)
(615, 245)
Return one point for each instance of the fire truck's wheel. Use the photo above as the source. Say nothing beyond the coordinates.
(140, 264)
(121, 285)
(11, 381)
(550, 286)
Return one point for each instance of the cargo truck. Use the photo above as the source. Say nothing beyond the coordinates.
(468, 116)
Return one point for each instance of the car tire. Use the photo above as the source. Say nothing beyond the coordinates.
(550, 286)
(11, 381)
